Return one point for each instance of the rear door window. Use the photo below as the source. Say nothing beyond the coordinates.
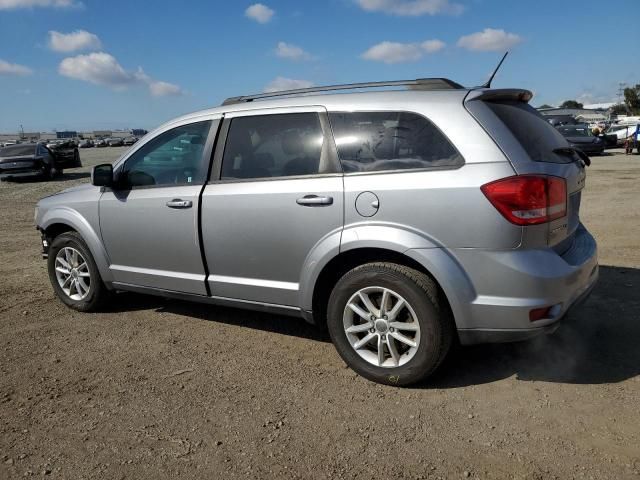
(536, 135)
(377, 141)
(275, 145)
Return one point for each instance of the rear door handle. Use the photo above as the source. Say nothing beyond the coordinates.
(179, 203)
(314, 200)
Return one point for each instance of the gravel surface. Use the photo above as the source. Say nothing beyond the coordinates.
(159, 388)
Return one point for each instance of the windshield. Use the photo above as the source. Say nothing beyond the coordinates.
(575, 131)
(17, 150)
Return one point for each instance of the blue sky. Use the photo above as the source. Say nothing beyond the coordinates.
(139, 63)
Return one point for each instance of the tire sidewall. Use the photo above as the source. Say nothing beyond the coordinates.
(69, 240)
(428, 316)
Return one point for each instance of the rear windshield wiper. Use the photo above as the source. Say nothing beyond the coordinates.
(573, 151)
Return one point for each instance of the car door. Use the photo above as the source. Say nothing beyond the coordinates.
(275, 195)
(149, 220)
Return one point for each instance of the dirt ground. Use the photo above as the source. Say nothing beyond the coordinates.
(159, 388)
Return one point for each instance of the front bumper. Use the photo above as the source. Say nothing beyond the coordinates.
(509, 285)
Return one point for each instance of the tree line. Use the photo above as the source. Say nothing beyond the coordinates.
(630, 106)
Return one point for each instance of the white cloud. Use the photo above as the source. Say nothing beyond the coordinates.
(103, 69)
(433, 46)
(7, 68)
(16, 4)
(98, 68)
(164, 89)
(411, 8)
(395, 52)
(291, 52)
(71, 42)
(282, 83)
(489, 40)
(258, 12)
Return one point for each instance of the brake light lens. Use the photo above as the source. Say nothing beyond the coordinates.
(528, 199)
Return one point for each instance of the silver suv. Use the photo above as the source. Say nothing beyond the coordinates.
(401, 220)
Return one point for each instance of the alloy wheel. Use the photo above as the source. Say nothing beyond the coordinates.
(72, 273)
(382, 327)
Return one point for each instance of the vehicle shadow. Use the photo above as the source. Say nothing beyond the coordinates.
(65, 177)
(280, 324)
(597, 344)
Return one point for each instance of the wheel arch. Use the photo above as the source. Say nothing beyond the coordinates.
(337, 266)
(63, 219)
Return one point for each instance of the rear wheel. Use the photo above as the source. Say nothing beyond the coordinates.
(388, 323)
(73, 273)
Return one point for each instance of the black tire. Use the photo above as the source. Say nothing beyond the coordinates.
(422, 293)
(49, 173)
(97, 294)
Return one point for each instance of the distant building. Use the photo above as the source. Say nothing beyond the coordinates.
(67, 134)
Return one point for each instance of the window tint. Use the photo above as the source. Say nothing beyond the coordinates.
(374, 141)
(172, 158)
(536, 135)
(17, 150)
(275, 146)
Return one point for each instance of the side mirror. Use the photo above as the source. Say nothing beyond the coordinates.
(102, 175)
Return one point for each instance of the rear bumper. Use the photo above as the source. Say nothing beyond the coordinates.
(590, 149)
(7, 175)
(505, 335)
(509, 285)
(26, 168)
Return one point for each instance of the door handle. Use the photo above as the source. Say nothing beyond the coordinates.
(314, 200)
(179, 203)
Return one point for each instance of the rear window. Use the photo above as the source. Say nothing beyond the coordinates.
(536, 135)
(17, 150)
(575, 131)
(375, 141)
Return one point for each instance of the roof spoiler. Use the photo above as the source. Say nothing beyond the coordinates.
(500, 94)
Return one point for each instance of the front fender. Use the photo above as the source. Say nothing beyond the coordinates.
(68, 216)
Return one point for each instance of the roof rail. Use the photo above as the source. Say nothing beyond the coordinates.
(418, 84)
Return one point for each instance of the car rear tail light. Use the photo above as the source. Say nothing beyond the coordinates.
(528, 199)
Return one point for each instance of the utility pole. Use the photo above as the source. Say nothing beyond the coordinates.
(21, 132)
(621, 87)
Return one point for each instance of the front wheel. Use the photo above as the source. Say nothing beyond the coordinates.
(73, 273)
(389, 323)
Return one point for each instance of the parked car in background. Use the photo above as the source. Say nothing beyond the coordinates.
(581, 138)
(401, 220)
(557, 120)
(130, 141)
(86, 143)
(66, 151)
(100, 143)
(621, 132)
(34, 159)
(115, 142)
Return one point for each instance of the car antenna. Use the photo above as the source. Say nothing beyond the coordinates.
(487, 84)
